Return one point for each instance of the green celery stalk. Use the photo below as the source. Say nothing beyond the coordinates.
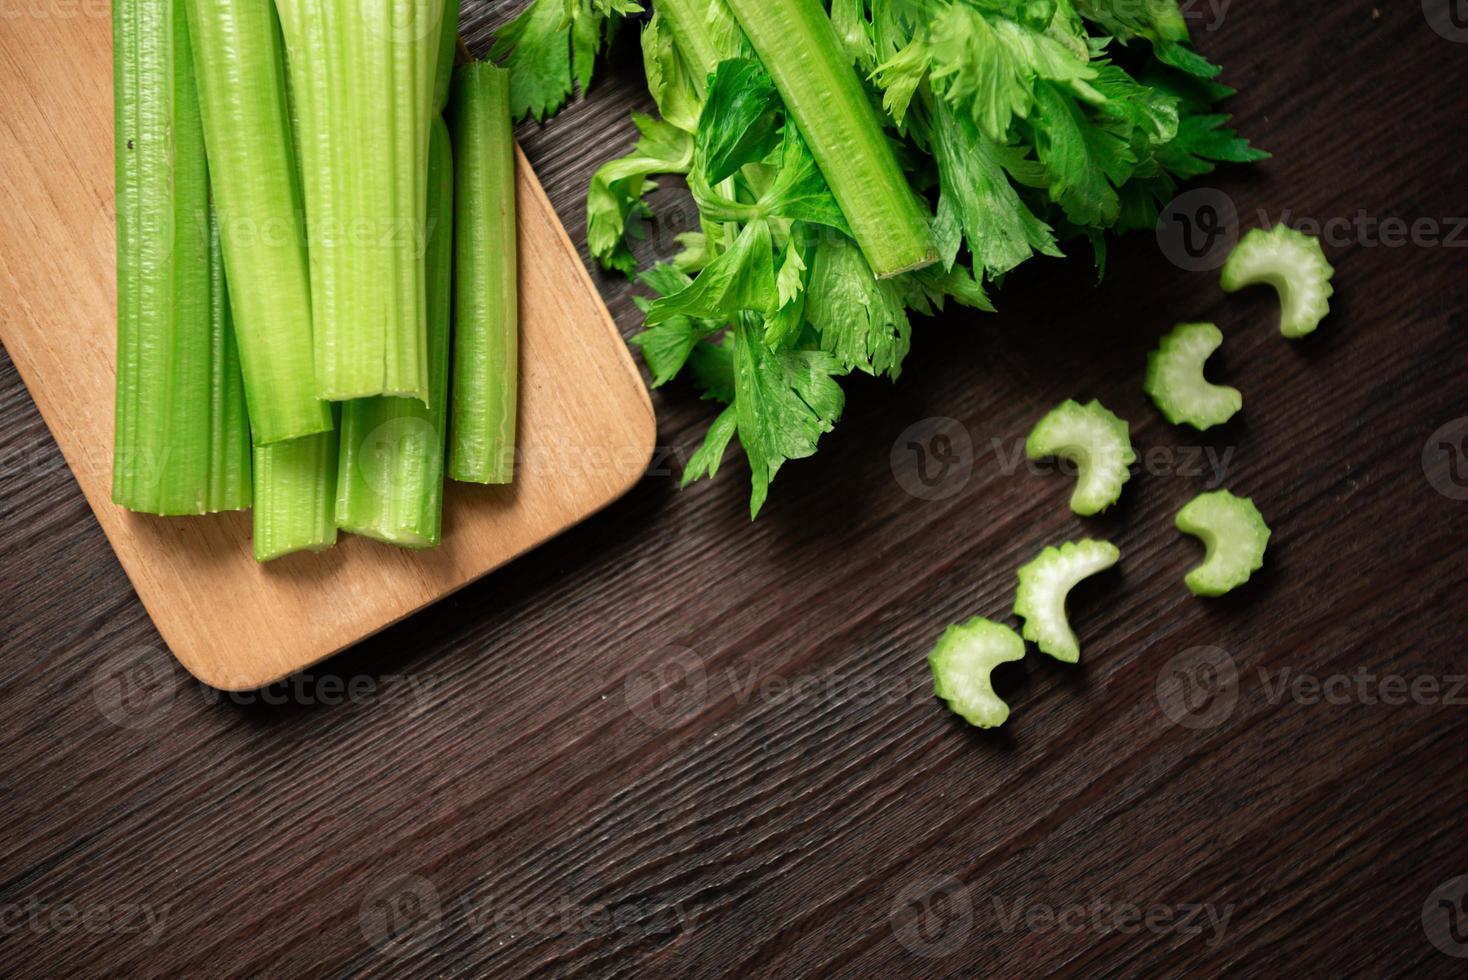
(363, 76)
(448, 49)
(486, 294)
(689, 21)
(390, 473)
(799, 48)
(295, 496)
(241, 81)
(181, 438)
(230, 484)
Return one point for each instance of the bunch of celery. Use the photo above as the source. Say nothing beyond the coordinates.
(855, 161)
(320, 134)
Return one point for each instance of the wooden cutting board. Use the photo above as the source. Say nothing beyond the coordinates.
(586, 432)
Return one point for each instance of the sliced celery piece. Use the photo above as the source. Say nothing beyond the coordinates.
(962, 665)
(295, 496)
(1096, 441)
(1175, 381)
(241, 80)
(181, 437)
(1295, 265)
(486, 295)
(1044, 585)
(390, 474)
(363, 75)
(1233, 531)
(799, 48)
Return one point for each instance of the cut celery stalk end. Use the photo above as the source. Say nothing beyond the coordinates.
(486, 294)
(963, 663)
(1236, 536)
(1295, 265)
(295, 495)
(1176, 384)
(247, 131)
(1096, 441)
(181, 437)
(799, 48)
(1045, 583)
(364, 80)
(390, 476)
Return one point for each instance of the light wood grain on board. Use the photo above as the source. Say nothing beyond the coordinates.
(587, 426)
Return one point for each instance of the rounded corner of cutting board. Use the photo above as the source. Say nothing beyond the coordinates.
(644, 446)
(642, 441)
(237, 677)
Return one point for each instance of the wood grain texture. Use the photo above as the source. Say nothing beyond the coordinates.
(586, 424)
(503, 778)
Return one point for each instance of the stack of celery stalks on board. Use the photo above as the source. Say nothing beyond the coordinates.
(857, 161)
(293, 217)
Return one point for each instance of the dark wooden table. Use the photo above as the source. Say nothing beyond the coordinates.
(675, 743)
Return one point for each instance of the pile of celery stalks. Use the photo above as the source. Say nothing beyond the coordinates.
(293, 215)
